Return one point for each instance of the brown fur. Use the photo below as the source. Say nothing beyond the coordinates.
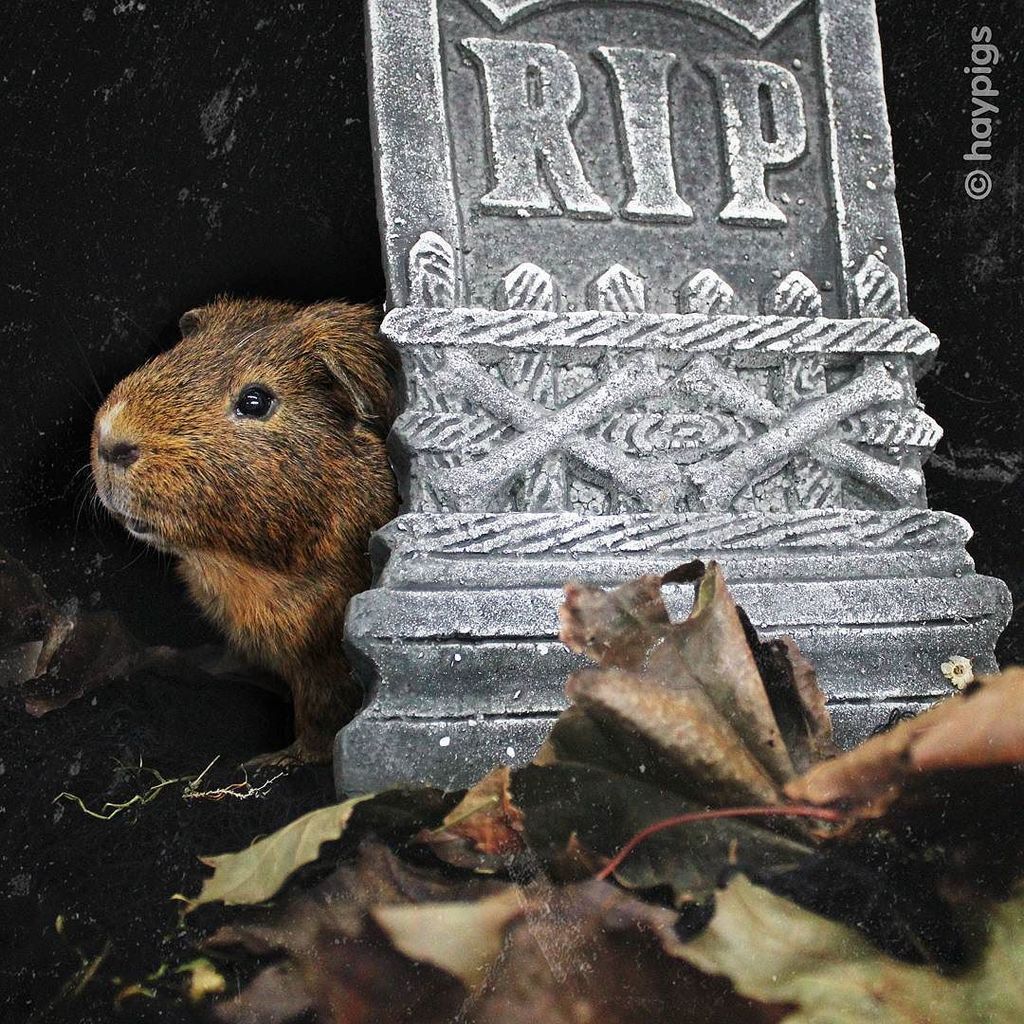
(271, 519)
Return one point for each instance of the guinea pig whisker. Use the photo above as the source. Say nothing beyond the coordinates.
(76, 482)
(86, 490)
(81, 504)
(73, 335)
(90, 403)
(84, 468)
(143, 548)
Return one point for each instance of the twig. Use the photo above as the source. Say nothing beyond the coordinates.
(243, 790)
(115, 809)
(76, 984)
(202, 775)
(796, 811)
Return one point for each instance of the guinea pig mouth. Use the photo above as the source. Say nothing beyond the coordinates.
(145, 531)
(138, 527)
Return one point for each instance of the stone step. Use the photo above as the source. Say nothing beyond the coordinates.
(374, 753)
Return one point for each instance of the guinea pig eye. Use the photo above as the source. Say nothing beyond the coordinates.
(255, 402)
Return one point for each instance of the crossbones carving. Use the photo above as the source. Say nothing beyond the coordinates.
(474, 485)
(658, 482)
(801, 429)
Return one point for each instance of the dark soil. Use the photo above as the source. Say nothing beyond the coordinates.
(110, 882)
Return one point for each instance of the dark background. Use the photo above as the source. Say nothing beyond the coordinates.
(157, 152)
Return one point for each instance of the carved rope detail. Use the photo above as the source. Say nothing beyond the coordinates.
(690, 333)
(553, 534)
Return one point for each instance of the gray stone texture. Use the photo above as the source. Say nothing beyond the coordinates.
(646, 281)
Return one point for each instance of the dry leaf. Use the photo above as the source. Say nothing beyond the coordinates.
(980, 728)
(525, 955)
(599, 810)
(983, 727)
(336, 903)
(31, 625)
(484, 830)
(707, 658)
(256, 873)
(775, 951)
(615, 628)
(90, 650)
(689, 742)
(590, 954)
(335, 979)
(712, 643)
(463, 939)
(796, 697)
(278, 994)
(204, 980)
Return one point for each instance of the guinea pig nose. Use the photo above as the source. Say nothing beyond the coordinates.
(121, 454)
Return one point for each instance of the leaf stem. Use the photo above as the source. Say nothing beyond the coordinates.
(792, 811)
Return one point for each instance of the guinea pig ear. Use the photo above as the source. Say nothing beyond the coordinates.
(366, 375)
(190, 322)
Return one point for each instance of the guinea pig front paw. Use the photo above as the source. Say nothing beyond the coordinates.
(291, 757)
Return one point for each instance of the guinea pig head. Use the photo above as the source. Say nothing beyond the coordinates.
(260, 435)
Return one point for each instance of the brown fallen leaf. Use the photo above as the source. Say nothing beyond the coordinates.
(616, 628)
(713, 644)
(379, 877)
(584, 807)
(203, 980)
(591, 953)
(811, 698)
(690, 746)
(337, 979)
(707, 657)
(254, 874)
(982, 727)
(276, 994)
(484, 831)
(379, 939)
(55, 655)
(577, 737)
(32, 627)
(796, 697)
(464, 939)
(534, 953)
(91, 650)
(632, 769)
(376, 878)
(699, 703)
(774, 950)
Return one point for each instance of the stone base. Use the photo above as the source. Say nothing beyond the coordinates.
(458, 644)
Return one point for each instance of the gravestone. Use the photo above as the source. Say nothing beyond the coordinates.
(646, 280)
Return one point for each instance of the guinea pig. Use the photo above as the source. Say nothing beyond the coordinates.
(254, 452)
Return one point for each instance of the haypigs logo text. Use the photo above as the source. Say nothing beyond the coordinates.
(984, 111)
